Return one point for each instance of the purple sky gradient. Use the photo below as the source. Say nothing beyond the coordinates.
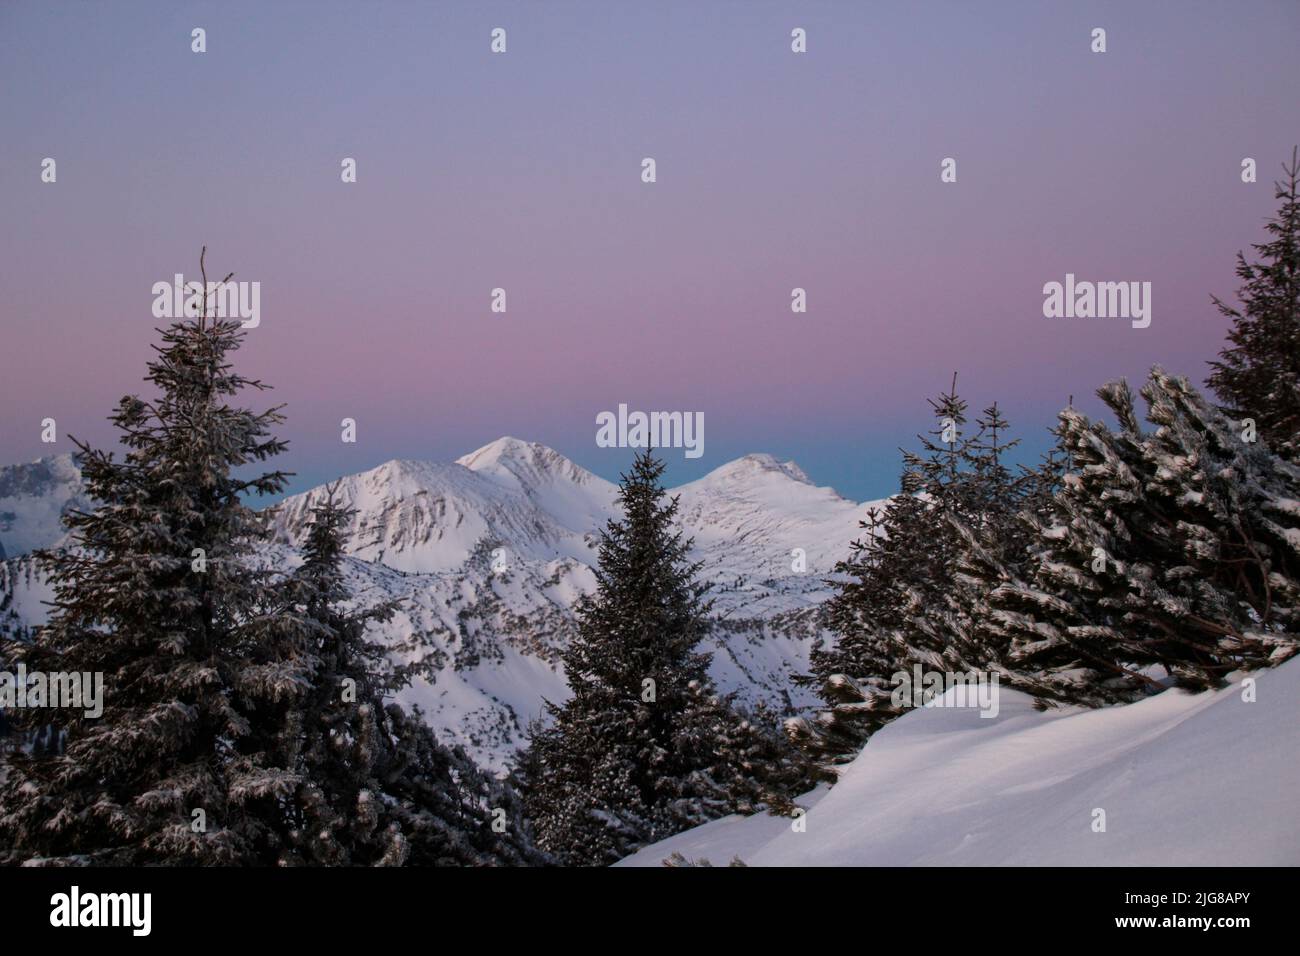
(522, 171)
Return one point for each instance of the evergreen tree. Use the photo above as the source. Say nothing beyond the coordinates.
(868, 604)
(156, 593)
(995, 548)
(758, 767)
(12, 633)
(244, 719)
(1258, 374)
(986, 527)
(333, 734)
(906, 556)
(644, 748)
(450, 811)
(900, 602)
(994, 492)
(1176, 549)
(376, 787)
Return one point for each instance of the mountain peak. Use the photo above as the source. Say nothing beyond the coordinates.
(506, 448)
(756, 465)
(523, 463)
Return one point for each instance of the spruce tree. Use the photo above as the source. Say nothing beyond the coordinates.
(943, 636)
(904, 560)
(1258, 375)
(996, 545)
(758, 767)
(156, 592)
(867, 606)
(899, 601)
(644, 748)
(244, 718)
(332, 734)
(376, 787)
(1174, 550)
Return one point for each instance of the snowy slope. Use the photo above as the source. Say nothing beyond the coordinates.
(750, 517)
(571, 495)
(489, 554)
(419, 516)
(1184, 780)
(33, 498)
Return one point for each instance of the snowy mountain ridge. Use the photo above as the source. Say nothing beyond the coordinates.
(33, 500)
(488, 555)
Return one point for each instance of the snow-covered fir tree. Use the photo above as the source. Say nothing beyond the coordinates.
(244, 717)
(899, 604)
(333, 734)
(985, 527)
(1257, 375)
(759, 767)
(376, 787)
(156, 592)
(994, 539)
(866, 604)
(1175, 549)
(645, 747)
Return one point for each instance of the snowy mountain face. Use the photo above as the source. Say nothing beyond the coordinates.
(421, 517)
(33, 499)
(766, 534)
(489, 554)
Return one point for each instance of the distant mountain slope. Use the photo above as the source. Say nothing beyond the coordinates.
(33, 498)
(418, 516)
(754, 518)
(489, 554)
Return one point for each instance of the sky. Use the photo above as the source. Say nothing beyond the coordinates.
(522, 170)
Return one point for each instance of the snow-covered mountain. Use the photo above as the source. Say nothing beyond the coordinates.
(33, 499)
(489, 554)
(417, 516)
(945, 786)
(754, 520)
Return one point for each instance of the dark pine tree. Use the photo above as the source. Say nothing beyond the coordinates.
(996, 546)
(644, 748)
(156, 591)
(376, 787)
(332, 735)
(1174, 550)
(899, 602)
(1258, 375)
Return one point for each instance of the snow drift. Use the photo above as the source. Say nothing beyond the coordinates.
(1184, 779)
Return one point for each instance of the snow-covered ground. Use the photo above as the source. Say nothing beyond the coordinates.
(1183, 779)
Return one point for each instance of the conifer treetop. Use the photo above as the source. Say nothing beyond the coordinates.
(1257, 375)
